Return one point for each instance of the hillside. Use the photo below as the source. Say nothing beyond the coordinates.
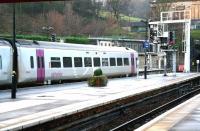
(74, 18)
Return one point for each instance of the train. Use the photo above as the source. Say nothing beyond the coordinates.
(44, 62)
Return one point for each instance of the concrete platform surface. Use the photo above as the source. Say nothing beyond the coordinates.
(40, 104)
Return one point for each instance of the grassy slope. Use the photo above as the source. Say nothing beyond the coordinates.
(195, 34)
(106, 14)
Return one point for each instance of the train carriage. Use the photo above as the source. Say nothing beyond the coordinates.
(52, 61)
(5, 62)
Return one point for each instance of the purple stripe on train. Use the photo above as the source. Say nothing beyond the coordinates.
(132, 64)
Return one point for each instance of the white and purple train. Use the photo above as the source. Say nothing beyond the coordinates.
(52, 61)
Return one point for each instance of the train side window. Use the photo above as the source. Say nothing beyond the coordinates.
(55, 62)
(67, 62)
(126, 62)
(0, 63)
(78, 62)
(104, 61)
(119, 61)
(31, 62)
(112, 62)
(42, 61)
(97, 62)
(88, 62)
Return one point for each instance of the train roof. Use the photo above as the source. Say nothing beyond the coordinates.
(4, 43)
(58, 45)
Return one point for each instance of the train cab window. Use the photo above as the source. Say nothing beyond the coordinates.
(137, 62)
(112, 62)
(31, 62)
(119, 62)
(78, 62)
(67, 62)
(55, 62)
(104, 61)
(0, 63)
(126, 62)
(132, 61)
(97, 62)
(88, 62)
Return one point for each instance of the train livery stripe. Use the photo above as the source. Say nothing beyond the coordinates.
(132, 64)
(40, 65)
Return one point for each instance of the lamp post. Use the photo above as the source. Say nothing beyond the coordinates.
(146, 45)
(14, 70)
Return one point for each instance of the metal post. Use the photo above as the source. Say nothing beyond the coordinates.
(14, 73)
(197, 66)
(165, 66)
(145, 51)
(145, 64)
(174, 63)
(187, 53)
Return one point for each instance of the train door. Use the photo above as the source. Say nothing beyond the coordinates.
(40, 65)
(132, 64)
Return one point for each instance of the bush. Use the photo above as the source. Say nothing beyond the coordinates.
(98, 79)
(77, 40)
(98, 72)
(27, 37)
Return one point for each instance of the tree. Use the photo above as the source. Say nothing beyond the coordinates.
(86, 8)
(160, 6)
(114, 7)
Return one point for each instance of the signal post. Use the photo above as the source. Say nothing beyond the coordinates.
(163, 32)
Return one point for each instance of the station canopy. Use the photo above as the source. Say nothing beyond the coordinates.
(18, 1)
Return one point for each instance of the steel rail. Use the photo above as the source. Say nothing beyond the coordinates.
(107, 116)
(130, 125)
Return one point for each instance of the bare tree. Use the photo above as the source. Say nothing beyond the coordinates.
(56, 20)
(160, 6)
(114, 7)
(72, 21)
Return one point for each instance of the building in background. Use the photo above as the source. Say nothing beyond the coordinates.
(152, 58)
(193, 5)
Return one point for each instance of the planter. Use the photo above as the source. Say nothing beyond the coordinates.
(98, 81)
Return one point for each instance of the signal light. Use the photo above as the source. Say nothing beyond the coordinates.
(53, 37)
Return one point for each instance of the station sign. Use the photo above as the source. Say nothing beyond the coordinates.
(146, 44)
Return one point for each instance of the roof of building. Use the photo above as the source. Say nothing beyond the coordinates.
(116, 39)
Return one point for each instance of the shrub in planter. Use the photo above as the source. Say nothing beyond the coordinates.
(98, 72)
(98, 80)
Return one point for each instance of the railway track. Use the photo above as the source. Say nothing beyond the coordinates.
(136, 122)
(127, 113)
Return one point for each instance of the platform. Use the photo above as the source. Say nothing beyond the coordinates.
(184, 117)
(41, 104)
